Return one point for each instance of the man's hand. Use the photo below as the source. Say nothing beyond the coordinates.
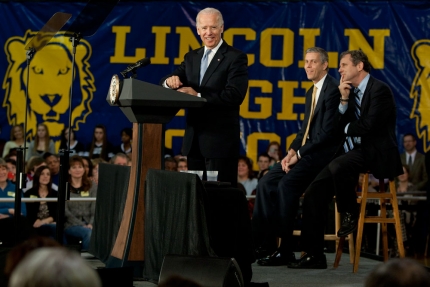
(11, 211)
(38, 223)
(173, 82)
(187, 90)
(291, 163)
(3, 216)
(287, 159)
(344, 88)
(90, 226)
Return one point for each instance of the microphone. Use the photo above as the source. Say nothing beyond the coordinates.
(139, 64)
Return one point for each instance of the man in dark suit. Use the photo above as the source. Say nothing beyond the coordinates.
(218, 73)
(279, 191)
(369, 121)
(415, 161)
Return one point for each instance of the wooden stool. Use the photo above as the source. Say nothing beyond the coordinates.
(384, 198)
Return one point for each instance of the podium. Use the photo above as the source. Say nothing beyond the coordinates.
(148, 107)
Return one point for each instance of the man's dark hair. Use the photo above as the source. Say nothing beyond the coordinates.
(410, 134)
(358, 56)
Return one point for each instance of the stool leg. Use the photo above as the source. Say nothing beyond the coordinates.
(396, 214)
(351, 248)
(384, 229)
(339, 251)
(361, 223)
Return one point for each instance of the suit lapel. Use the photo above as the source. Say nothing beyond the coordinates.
(216, 60)
(366, 96)
(197, 59)
(321, 97)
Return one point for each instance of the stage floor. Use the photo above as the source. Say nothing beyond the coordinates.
(284, 276)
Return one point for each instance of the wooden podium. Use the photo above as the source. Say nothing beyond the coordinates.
(148, 107)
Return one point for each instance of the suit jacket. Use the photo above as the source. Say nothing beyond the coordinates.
(325, 135)
(215, 126)
(417, 172)
(376, 127)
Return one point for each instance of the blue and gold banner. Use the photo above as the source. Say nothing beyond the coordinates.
(395, 35)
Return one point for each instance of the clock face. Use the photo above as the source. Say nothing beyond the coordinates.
(114, 90)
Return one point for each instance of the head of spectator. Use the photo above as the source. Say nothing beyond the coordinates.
(182, 164)
(17, 134)
(77, 174)
(12, 154)
(53, 162)
(120, 159)
(54, 266)
(65, 138)
(3, 173)
(96, 163)
(244, 168)
(33, 163)
(263, 161)
(210, 26)
(178, 281)
(170, 164)
(99, 138)
(88, 166)
(274, 151)
(409, 143)
(126, 136)
(42, 135)
(42, 177)
(18, 253)
(399, 272)
(354, 66)
(11, 169)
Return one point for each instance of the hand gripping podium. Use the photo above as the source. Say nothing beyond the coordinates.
(148, 106)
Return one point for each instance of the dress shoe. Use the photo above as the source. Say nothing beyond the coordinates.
(349, 224)
(262, 252)
(277, 259)
(310, 262)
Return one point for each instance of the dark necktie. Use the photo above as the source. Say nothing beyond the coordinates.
(351, 141)
(409, 160)
(204, 64)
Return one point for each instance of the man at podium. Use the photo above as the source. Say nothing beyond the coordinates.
(219, 73)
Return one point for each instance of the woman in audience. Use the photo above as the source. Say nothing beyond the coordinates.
(126, 137)
(80, 214)
(41, 143)
(274, 151)
(88, 166)
(245, 175)
(100, 147)
(42, 214)
(11, 169)
(95, 173)
(16, 139)
(75, 146)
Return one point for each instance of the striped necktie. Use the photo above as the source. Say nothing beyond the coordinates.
(351, 141)
(204, 64)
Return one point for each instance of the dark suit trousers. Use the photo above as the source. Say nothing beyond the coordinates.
(226, 167)
(277, 200)
(338, 178)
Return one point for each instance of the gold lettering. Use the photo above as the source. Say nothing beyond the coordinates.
(264, 102)
(289, 100)
(119, 51)
(375, 55)
(249, 34)
(253, 140)
(160, 45)
(187, 42)
(266, 47)
(168, 136)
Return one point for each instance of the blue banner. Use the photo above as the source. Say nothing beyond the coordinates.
(395, 35)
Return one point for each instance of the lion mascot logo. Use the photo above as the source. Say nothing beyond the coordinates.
(49, 86)
(420, 90)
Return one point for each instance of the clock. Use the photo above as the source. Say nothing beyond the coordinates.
(114, 90)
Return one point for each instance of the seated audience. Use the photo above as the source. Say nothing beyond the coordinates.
(76, 147)
(54, 266)
(120, 159)
(403, 272)
(16, 139)
(126, 138)
(41, 144)
(80, 214)
(170, 164)
(100, 147)
(263, 164)
(415, 161)
(42, 214)
(245, 174)
(182, 164)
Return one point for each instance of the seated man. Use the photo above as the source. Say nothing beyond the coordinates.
(279, 191)
(415, 161)
(53, 162)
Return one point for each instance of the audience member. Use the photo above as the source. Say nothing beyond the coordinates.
(120, 159)
(32, 165)
(80, 214)
(245, 174)
(42, 214)
(76, 148)
(182, 164)
(403, 272)
(41, 143)
(415, 161)
(100, 147)
(53, 162)
(275, 152)
(88, 166)
(11, 170)
(264, 160)
(96, 163)
(54, 267)
(16, 139)
(12, 154)
(126, 138)
(170, 164)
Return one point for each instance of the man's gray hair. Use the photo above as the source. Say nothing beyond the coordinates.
(323, 53)
(210, 10)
